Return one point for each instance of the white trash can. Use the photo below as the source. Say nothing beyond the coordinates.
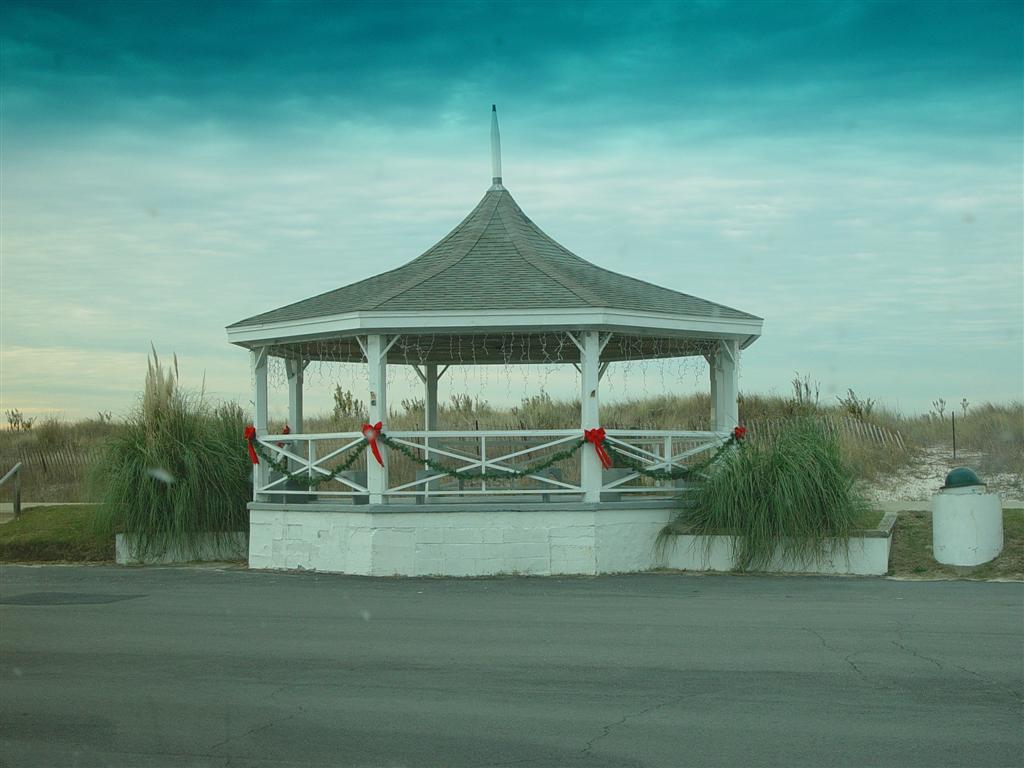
(967, 521)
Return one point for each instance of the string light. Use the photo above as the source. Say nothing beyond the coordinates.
(529, 364)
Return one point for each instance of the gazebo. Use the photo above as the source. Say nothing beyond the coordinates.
(495, 290)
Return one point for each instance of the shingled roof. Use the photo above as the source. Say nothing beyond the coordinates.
(497, 259)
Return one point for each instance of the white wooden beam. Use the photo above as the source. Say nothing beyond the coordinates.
(295, 370)
(429, 406)
(377, 362)
(258, 361)
(574, 340)
(725, 386)
(745, 330)
(590, 414)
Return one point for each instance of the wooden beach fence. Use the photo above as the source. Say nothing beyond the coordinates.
(66, 460)
(837, 426)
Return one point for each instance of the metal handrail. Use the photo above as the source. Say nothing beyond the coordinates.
(16, 474)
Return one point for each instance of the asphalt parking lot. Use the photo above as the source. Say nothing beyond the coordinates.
(208, 667)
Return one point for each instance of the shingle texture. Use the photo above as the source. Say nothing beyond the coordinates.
(497, 258)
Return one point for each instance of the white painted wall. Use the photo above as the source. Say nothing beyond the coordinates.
(863, 556)
(582, 539)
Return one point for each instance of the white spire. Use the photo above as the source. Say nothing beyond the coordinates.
(495, 150)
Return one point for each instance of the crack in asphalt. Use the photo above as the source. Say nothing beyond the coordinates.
(255, 729)
(1019, 695)
(607, 729)
(901, 643)
(524, 761)
(848, 659)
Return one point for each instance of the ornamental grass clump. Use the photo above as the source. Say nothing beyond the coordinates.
(178, 468)
(787, 495)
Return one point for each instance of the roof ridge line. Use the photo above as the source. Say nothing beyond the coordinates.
(444, 265)
(552, 271)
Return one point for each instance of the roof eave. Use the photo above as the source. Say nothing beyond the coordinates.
(745, 330)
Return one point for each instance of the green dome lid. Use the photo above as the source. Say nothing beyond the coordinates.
(961, 477)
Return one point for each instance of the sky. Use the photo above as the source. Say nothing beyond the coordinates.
(849, 171)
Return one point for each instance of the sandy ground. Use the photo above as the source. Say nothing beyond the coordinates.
(919, 481)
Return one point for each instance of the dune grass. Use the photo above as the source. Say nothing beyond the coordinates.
(996, 431)
(177, 467)
(788, 494)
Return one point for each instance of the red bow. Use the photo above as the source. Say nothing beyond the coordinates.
(596, 436)
(250, 435)
(371, 433)
(739, 432)
(286, 431)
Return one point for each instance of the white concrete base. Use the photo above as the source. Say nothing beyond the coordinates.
(491, 539)
(967, 526)
(865, 556)
(209, 547)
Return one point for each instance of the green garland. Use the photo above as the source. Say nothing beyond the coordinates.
(480, 475)
(676, 473)
(302, 476)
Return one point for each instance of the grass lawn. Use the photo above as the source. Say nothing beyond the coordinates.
(912, 549)
(868, 519)
(55, 534)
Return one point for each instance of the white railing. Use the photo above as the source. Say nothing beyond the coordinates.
(512, 453)
(484, 463)
(654, 449)
(305, 456)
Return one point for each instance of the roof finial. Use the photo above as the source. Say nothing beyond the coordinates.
(495, 150)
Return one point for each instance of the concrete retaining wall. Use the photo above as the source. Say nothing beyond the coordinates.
(489, 539)
(209, 547)
(863, 557)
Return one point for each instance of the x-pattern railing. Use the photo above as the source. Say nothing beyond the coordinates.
(655, 450)
(281, 447)
(480, 465)
(466, 454)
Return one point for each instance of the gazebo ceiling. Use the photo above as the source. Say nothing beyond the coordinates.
(496, 274)
(493, 348)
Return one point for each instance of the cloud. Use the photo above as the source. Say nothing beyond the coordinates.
(848, 171)
(712, 71)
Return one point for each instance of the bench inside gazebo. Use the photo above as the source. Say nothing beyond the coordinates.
(495, 291)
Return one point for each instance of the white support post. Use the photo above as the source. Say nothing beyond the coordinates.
(295, 369)
(590, 466)
(377, 361)
(429, 403)
(713, 381)
(258, 361)
(725, 385)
